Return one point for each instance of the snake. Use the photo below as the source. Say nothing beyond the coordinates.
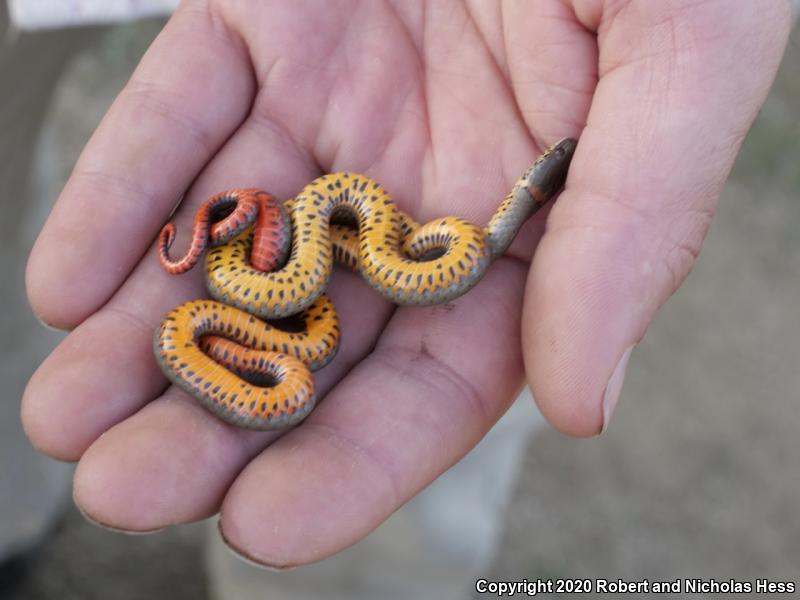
(268, 261)
(405, 262)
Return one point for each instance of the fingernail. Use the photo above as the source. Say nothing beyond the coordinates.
(614, 387)
(47, 325)
(114, 528)
(250, 560)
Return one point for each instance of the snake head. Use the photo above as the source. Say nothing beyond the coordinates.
(548, 174)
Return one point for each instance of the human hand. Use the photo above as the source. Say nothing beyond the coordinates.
(445, 106)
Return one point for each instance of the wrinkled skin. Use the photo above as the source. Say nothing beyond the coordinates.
(445, 103)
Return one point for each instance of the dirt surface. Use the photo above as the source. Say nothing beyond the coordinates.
(79, 561)
(75, 560)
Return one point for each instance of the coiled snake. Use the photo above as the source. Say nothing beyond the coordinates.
(256, 374)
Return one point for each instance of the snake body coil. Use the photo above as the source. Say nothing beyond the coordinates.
(247, 372)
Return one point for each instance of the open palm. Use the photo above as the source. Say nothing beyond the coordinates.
(445, 103)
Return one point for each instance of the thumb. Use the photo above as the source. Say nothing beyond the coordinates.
(678, 89)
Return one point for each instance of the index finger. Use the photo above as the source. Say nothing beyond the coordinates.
(189, 93)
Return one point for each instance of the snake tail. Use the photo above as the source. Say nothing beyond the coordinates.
(223, 217)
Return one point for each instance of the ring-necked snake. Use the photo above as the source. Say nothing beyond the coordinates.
(256, 375)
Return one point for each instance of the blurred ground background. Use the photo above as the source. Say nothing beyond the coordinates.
(696, 477)
(698, 474)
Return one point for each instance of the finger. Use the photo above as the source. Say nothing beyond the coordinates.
(520, 78)
(192, 89)
(173, 461)
(552, 63)
(671, 108)
(104, 371)
(552, 70)
(437, 381)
